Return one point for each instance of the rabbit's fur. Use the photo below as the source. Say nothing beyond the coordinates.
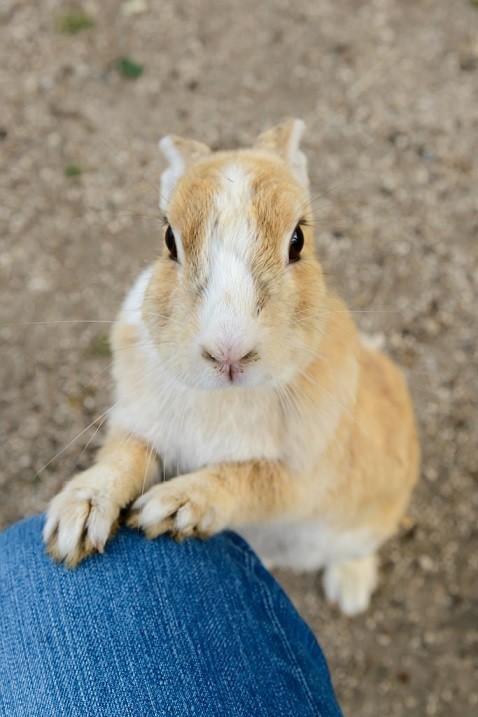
(242, 377)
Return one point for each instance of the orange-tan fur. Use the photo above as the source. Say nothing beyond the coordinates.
(315, 434)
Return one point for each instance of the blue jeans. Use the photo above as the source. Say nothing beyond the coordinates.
(152, 628)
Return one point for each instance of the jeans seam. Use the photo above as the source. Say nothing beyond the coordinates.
(270, 609)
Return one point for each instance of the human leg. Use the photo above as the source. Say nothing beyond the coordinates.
(152, 628)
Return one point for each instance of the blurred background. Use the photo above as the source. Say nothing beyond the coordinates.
(389, 92)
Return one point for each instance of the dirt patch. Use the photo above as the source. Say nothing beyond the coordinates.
(389, 93)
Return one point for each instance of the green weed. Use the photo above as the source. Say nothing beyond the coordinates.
(129, 69)
(73, 21)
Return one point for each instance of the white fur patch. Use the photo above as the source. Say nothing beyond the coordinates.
(306, 546)
(133, 303)
(228, 311)
(227, 314)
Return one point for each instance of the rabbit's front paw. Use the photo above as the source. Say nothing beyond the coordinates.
(81, 518)
(183, 506)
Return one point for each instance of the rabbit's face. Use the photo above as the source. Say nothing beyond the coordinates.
(235, 299)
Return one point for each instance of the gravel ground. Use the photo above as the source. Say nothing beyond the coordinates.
(389, 91)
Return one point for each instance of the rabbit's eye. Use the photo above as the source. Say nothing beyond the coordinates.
(171, 243)
(296, 244)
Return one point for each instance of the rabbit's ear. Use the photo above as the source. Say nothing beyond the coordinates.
(284, 140)
(180, 153)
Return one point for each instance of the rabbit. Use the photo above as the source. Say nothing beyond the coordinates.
(245, 396)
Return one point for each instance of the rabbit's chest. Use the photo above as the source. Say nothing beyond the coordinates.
(222, 427)
(226, 431)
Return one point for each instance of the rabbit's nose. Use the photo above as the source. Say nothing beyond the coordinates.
(228, 362)
(228, 357)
